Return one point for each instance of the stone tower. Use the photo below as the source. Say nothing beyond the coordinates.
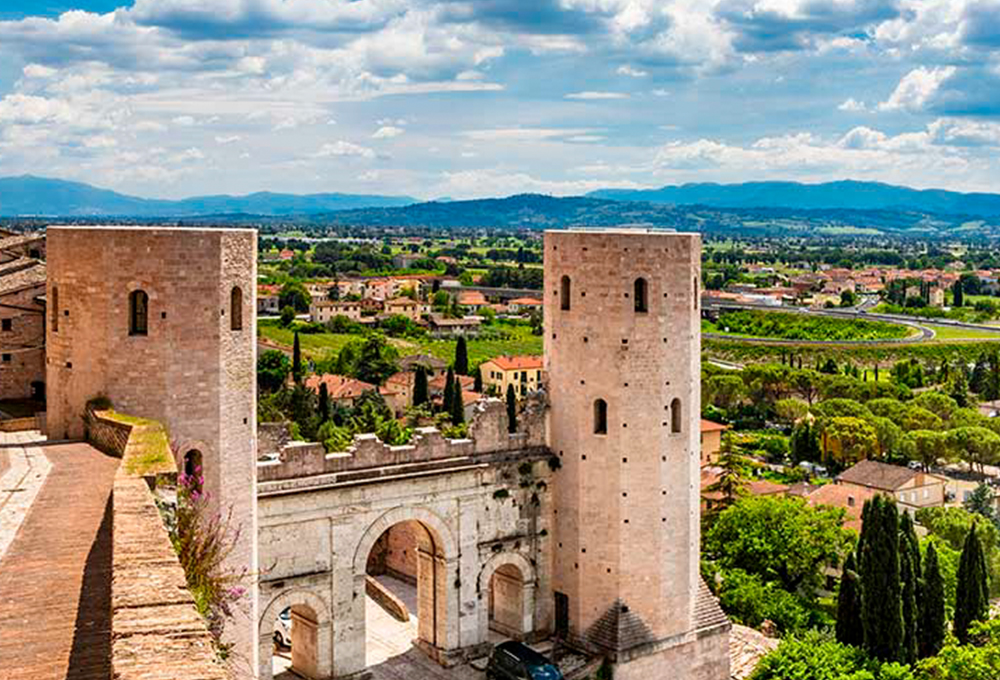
(162, 321)
(622, 348)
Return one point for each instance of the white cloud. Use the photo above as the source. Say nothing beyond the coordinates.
(342, 148)
(593, 95)
(916, 88)
(852, 105)
(227, 139)
(627, 70)
(183, 121)
(388, 132)
(499, 182)
(523, 134)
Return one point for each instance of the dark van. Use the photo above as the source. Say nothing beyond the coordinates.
(515, 661)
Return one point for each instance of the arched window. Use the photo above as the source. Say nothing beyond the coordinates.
(193, 469)
(600, 417)
(138, 313)
(641, 296)
(564, 293)
(55, 309)
(236, 309)
(675, 415)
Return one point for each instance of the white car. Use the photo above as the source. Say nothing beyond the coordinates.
(283, 629)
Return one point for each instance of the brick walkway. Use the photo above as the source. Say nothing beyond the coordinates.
(55, 579)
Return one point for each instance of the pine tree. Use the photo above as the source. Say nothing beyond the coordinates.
(849, 628)
(457, 404)
(296, 359)
(420, 387)
(908, 653)
(461, 357)
(478, 386)
(511, 410)
(959, 294)
(932, 617)
(979, 375)
(449, 391)
(324, 403)
(971, 594)
(881, 601)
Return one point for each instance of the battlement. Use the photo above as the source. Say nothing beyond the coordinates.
(488, 435)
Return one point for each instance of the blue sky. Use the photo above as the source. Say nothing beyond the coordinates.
(468, 98)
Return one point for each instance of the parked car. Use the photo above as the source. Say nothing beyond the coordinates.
(515, 661)
(283, 629)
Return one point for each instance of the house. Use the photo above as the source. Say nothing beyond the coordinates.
(20, 246)
(444, 326)
(286, 254)
(711, 441)
(935, 296)
(322, 311)
(851, 499)
(912, 489)
(406, 260)
(472, 299)
(523, 372)
(268, 305)
(523, 304)
(22, 329)
(431, 364)
(435, 386)
(342, 389)
(407, 307)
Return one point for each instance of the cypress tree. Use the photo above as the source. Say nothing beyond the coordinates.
(324, 402)
(511, 410)
(478, 387)
(849, 629)
(420, 387)
(908, 654)
(881, 593)
(449, 391)
(909, 537)
(932, 620)
(296, 359)
(971, 594)
(959, 294)
(457, 405)
(461, 357)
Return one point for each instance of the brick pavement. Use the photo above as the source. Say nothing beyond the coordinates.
(55, 579)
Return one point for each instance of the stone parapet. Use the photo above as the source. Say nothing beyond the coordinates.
(488, 435)
(19, 424)
(156, 631)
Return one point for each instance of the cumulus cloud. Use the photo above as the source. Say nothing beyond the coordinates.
(594, 95)
(388, 132)
(916, 88)
(341, 148)
(852, 105)
(523, 134)
(627, 70)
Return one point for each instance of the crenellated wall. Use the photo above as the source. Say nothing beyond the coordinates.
(487, 435)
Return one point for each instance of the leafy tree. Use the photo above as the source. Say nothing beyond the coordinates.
(932, 616)
(849, 629)
(457, 405)
(814, 656)
(461, 357)
(980, 374)
(958, 388)
(781, 539)
(893, 409)
(790, 410)
(293, 294)
(957, 661)
(975, 445)
(287, 316)
(982, 501)
(890, 436)
(272, 370)
(511, 410)
(804, 442)
(420, 392)
(918, 418)
(376, 361)
(732, 480)
(841, 408)
(296, 359)
(805, 383)
(972, 595)
(926, 446)
(882, 610)
(849, 438)
(725, 390)
(750, 600)
(449, 392)
(939, 404)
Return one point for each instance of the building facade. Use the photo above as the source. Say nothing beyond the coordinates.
(622, 353)
(22, 329)
(162, 322)
(524, 373)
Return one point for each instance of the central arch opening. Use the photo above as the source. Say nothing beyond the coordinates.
(405, 586)
(296, 644)
(506, 602)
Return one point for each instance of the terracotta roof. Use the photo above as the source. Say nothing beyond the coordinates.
(877, 475)
(425, 360)
(517, 363)
(709, 426)
(763, 487)
(850, 498)
(339, 386)
(438, 382)
(471, 297)
(402, 301)
(707, 612)
(20, 240)
(525, 301)
(23, 278)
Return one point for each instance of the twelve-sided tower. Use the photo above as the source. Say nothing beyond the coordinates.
(622, 348)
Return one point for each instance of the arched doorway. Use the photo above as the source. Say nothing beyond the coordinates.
(404, 587)
(506, 602)
(296, 638)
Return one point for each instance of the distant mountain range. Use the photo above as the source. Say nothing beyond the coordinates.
(831, 195)
(39, 196)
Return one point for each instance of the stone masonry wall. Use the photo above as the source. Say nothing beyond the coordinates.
(108, 436)
(23, 346)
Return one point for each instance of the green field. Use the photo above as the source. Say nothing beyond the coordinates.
(951, 333)
(321, 345)
(789, 326)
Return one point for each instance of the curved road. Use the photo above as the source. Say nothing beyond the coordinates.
(845, 313)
